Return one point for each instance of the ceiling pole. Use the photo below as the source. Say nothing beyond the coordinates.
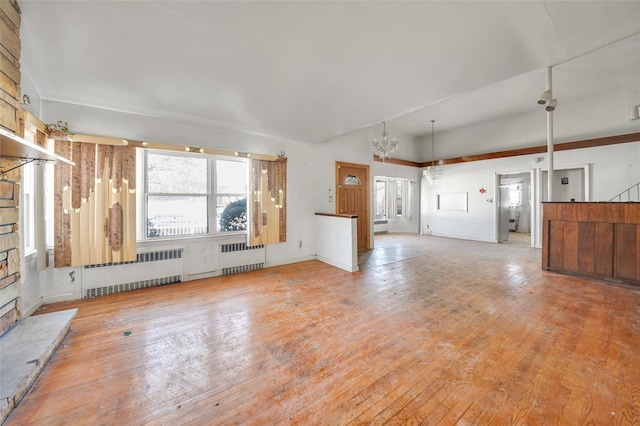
(549, 140)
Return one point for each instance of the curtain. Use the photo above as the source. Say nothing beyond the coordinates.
(42, 259)
(94, 204)
(268, 202)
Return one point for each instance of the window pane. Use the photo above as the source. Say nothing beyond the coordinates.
(381, 200)
(231, 177)
(177, 215)
(231, 200)
(232, 212)
(352, 180)
(176, 174)
(399, 198)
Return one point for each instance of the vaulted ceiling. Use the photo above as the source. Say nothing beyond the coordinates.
(309, 71)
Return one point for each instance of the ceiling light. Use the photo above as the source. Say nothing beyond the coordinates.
(544, 98)
(385, 147)
(551, 105)
(433, 173)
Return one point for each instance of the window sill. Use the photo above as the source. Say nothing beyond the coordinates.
(185, 239)
(30, 255)
(191, 237)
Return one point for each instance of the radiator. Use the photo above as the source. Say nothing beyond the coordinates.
(238, 257)
(148, 270)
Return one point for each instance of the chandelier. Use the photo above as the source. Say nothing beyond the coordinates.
(433, 173)
(384, 148)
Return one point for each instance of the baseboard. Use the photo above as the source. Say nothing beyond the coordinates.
(27, 312)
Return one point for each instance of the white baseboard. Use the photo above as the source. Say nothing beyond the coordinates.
(27, 312)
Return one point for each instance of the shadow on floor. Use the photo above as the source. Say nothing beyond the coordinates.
(390, 248)
(519, 238)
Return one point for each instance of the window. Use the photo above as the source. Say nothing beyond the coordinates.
(352, 180)
(392, 198)
(399, 198)
(515, 196)
(189, 194)
(381, 200)
(28, 200)
(231, 195)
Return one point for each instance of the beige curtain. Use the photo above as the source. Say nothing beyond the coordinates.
(95, 204)
(268, 202)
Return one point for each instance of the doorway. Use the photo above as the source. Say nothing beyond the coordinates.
(514, 200)
(569, 184)
(352, 190)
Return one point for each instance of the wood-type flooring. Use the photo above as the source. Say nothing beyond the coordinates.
(450, 332)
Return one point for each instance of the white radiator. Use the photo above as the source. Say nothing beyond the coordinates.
(148, 270)
(238, 257)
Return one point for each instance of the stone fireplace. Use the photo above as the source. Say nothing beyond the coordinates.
(10, 112)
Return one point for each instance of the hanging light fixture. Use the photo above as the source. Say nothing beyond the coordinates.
(433, 173)
(385, 147)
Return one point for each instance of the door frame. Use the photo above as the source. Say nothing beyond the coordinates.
(541, 184)
(367, 186)
(533, 201)
(537, 185)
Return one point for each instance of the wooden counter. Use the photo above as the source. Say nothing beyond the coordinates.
(601, 240)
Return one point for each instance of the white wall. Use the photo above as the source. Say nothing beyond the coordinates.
(603, 116)
(355, 147)
(337, 241)
(573, 190)
(613, 169)
(28, 88)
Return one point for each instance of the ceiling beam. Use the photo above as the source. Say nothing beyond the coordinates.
(566, 146)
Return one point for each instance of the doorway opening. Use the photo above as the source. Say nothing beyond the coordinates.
(514, 200)
(570, 184)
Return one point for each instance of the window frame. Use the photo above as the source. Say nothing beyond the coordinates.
(216, 194)
(211, 194)
(385, 202)
(397, 194)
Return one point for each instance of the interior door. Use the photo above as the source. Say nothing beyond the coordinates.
(503, 215)
(352, 189)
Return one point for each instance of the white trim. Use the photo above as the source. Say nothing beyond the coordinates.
(534, 208)
(211, 194)
(27, 312)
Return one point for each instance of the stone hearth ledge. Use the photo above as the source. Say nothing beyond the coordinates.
(25, 349)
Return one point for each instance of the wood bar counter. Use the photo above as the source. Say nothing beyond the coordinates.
(601, 240)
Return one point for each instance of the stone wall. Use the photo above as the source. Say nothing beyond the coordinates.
(10, 112)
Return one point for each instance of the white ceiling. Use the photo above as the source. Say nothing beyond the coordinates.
(309, 71)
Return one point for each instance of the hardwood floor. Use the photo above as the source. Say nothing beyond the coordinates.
(457, 332)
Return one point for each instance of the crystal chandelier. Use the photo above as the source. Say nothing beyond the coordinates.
(433, 173)
(384, 148)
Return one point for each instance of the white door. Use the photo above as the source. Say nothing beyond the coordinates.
(503, 215)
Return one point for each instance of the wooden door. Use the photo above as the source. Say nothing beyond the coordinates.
(352, 189)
